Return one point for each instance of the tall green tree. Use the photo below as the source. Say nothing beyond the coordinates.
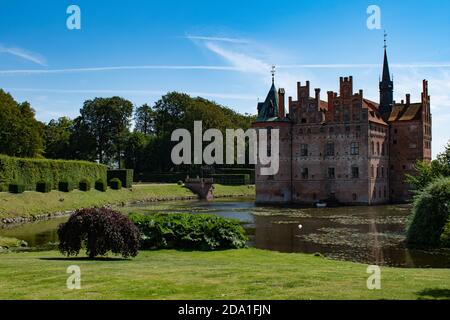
(144, 117)
(21, 134)
(57, 135)
(108, 121)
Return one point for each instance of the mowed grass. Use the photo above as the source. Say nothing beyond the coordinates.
(34, 203)
(235, 274)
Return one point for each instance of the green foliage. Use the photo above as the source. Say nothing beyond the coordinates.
(445, 236)
(144, 118)
(124, 175)
(16, 188)
(107, 121)
(84, 185)
(163, 177)
(30, 171)
(180, 183)
(43, 187)
(21, 135)
(101, 185)
(58, 135)
(426, 172)
(65, 186)
(100, 231)
(430, 213)
(231, 179)
(115, 184)
(189, 231)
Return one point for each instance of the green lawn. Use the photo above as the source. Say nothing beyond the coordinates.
(34, 203)
(235, 274)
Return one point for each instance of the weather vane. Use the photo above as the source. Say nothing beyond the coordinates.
(273, 71)
(385, 37)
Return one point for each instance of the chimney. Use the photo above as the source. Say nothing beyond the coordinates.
(330, 100)
(281, 110)
(290, 107)
(408, 99)
(317, 90)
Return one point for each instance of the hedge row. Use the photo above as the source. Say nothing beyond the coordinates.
(29, 172)
(231, 179)
(124, 175)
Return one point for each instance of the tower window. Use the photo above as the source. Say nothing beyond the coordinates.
(331, 173)
(305, 173)
(354, 149)
(355, 172)
(304, 150)
(330, 149)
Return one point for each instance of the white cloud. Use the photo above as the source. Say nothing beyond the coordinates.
(24, 54)
(219, 39)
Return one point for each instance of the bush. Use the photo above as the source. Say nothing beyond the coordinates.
(180, 183)
(115, 184)
(445, 236)
(30, 171)
(43, 187)
(100, 231)
(100, 185)
(430, 214)
(124, 175)
(65, 186)
(189, 231)
(16, 188)
(84, 185)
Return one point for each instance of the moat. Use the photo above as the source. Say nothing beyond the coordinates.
(372, 235)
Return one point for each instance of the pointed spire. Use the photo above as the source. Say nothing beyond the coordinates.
(273, 71)
(386, 84)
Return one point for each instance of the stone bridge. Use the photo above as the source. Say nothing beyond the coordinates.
(203, 187)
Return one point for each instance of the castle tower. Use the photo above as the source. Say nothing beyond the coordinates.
(386, 86)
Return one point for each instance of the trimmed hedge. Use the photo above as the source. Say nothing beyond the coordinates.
(124, 175)
(189, 231)
(115, 184)
(84, 185)
(30, 171)
(231, 179)
(101, 185)
(16, 188)
(65, 186)
(43, 187)
(162, 177)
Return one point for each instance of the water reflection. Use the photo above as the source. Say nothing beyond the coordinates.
(372, 235)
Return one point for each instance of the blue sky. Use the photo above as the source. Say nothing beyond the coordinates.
(221, 50)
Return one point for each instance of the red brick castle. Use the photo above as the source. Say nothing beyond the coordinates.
(349, 149)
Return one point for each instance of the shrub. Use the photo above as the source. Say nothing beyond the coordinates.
(43, 187)
(180, 183)
(16, 188)
(30, 171)
(189, 231)
(100, 231)
(84, 185)
(445, 236)
(100, 185)
(124, 175)
(430, 214)
(65, 186)
(115, 184)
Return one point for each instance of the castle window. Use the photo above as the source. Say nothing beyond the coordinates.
(305, 173)
(330, 149)
(304, 150)
(383, 146)
(304, 120)
(382, 172)
(347, 129)
(358, 128)
(331, 173)
(373, 147)
(355, 172)
(372, 170)
(379, 193)
(331, 130)
(378, 148)
(354, 149)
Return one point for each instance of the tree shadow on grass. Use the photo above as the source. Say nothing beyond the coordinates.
(104, 259)
(434, 294)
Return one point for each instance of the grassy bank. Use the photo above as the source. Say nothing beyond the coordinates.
(235, 274)
(34, 203)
